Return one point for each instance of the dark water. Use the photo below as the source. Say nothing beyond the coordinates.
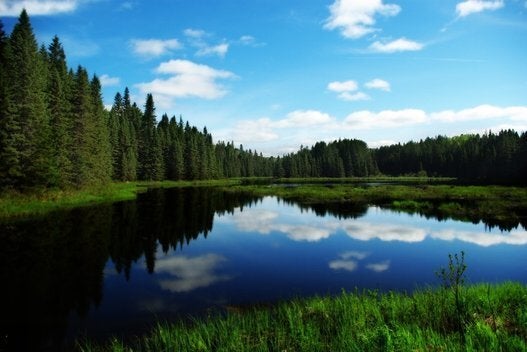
(116, 269)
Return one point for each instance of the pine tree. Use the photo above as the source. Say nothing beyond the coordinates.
(59, 109)
(101, 148)
(11, 171)
(83, 129)
(26, 77)
(149, 148)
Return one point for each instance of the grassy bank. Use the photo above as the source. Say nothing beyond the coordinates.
(494, 319)
(41, 201)
(501, 204)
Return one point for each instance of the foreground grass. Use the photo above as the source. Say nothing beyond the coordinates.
(495, 320)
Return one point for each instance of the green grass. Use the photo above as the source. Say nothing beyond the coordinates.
(502, 204)
(356, 321)
(41, 201)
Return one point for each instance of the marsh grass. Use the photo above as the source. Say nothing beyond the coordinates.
(41, 201)
(354, 321)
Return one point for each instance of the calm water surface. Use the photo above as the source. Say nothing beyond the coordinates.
(117, 269)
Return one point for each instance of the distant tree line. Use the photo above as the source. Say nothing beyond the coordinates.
(55, 132)
(489, 157)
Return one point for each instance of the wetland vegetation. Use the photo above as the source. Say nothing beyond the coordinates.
(496, 320)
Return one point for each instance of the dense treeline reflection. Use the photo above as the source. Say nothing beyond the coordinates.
(53, 266)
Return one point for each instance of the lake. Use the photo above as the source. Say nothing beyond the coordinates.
(116, 269)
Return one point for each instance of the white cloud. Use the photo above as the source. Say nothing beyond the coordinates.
(107, 81)
(154, 47)
(347, 96)
(387, 118)
(345, 86)
(220, 50)
(187, 79)
(469, 7)
(190, 273)
(303, 118)
(378, 83)
(356, 18)
(482, 112)
(13, 8)
(247, 40)
(398, 45)
(379, 267)
(255, 131)
(194, 33)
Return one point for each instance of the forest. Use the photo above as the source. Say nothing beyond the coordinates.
(56, 133)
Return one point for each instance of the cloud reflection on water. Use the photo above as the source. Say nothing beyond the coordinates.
(190, 273)
(306, 227)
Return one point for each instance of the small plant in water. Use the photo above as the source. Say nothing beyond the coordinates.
(452, 278)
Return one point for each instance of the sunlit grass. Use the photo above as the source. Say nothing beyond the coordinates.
(40, 201)
(499, 203)
(356, 321)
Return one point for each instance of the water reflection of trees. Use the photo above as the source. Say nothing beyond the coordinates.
(168, 218)
(53, 266)
(50, 267)
(468, 213)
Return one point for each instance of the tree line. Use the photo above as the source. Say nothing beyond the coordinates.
(488, 157)
(55, 132)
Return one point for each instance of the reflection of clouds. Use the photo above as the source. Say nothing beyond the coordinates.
(354, 254)
(266, 221)
(304, 233)
(255, 220)
(348, 265)
(484, 239)
(366, 231)
(379, 267)
(345, 263)
(190, 273)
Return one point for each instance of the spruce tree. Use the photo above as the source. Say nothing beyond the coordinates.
(11, 171)
(101, 148)
(59, 109)
(82, 129)
(26, 77)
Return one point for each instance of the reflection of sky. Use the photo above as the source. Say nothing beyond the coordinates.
(350, 261)
(274, 251)
(376, 224)
(188, 273)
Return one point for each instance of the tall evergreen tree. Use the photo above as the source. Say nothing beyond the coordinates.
(149, 153)
(11, 172)
(101, 148)
(26, 77)
(59, 109)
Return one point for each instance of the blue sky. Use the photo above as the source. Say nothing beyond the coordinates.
(273, 74)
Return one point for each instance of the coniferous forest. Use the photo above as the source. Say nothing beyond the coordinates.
(55, 132)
